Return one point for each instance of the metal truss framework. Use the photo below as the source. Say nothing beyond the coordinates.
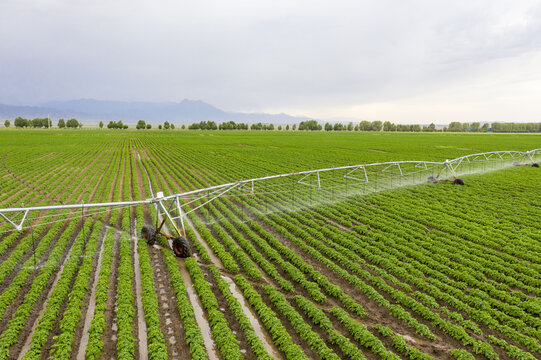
(172, 205)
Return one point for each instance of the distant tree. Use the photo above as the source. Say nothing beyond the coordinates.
(160, 126)
(7, 123)
(484, 128)
(356, 128)
(21, 122)
(166, 125)
(61, 123)
(183, 127)
(416, 128)
(365, 126)
(39, 122)
(350, 126)
(287, 127)
(475, 126)
(116, 125)
(328, 127)
(101, 124)
(429, 128)
(294, 127)
(310, 125)
(149, 126)
(455, 126)
(172, 127)
(72, 123)
(141, 125)
(279, 127)
(376, 126)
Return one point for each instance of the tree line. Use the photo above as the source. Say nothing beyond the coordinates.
(308, 125)
(21, 122)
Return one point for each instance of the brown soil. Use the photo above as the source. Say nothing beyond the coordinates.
(139, 325)
(170, 321)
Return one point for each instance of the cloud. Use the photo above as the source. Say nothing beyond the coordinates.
(318, 58)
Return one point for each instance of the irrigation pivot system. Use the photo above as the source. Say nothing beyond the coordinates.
(328, 183)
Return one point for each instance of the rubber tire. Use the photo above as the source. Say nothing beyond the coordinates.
(148, 233)
(535, 165)
(181, 248)
(458, 181)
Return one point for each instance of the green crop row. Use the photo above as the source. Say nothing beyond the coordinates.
(156, 342)
(299, 325)
(60, 293)
(274, 326)
(125, 311)
(61, 348)
(15, 325)
(98, 323)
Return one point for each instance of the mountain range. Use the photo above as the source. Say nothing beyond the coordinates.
(184, 112)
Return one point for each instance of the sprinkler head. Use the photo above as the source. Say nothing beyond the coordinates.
(535, 165)
(432, 179)
(458, 181)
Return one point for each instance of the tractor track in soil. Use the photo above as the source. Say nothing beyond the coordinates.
(141, 325)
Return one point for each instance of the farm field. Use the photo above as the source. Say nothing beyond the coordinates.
(430, 271)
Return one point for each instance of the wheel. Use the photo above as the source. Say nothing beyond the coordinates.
(458, 181)
(181, 248)
(536, 165)
(432, 179)
(148, 233)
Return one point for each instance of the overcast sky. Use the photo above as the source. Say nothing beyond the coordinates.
(404, 61)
